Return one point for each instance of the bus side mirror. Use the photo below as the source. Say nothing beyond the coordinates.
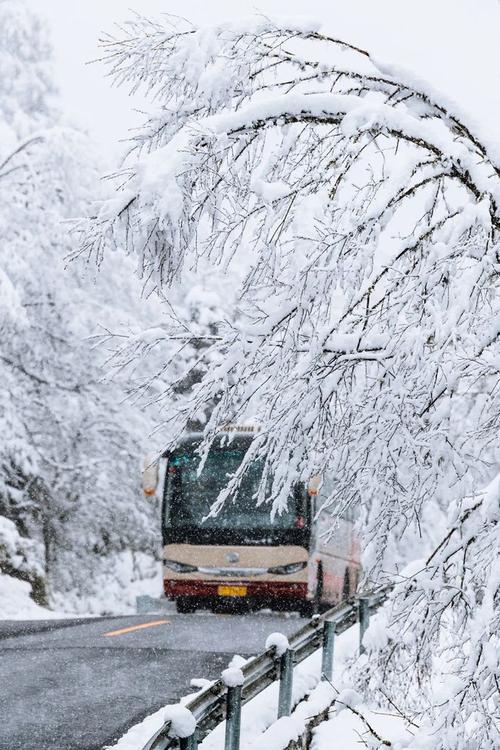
(150, 475)
(314, 485)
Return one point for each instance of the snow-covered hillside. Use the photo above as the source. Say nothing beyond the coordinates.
(71, 510)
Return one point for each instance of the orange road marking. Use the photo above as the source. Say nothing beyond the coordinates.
(137, 627)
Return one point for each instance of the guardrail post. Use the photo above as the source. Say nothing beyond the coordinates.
(364, 621)
(233, 718)
(327, 653)
(286, 684)
(189, 743)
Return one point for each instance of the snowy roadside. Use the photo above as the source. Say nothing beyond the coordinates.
(17, 604)
(116, 591)
(260, 729)
(348, 731)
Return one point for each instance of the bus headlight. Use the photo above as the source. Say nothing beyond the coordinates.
(180, 567)
(284, 570)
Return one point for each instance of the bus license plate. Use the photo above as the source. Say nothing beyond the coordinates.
(232, 590)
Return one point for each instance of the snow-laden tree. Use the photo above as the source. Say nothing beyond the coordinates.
(362, 212)
(366, 214)
(71, 444)
(27, 90)
(433, 654)
(158, 366)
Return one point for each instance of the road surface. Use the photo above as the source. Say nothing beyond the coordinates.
(80, 684)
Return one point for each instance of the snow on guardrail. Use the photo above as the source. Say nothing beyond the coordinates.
(271, 687)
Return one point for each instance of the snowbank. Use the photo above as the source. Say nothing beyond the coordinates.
(114, 591)
(16, 602)
(20, 563)
(350, 732)
(125, 576)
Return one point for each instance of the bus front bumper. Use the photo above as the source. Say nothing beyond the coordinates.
(268, 591)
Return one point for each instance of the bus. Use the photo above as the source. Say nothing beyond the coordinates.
(305, 559)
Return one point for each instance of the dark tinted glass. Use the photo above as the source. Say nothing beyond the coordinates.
(189, 496)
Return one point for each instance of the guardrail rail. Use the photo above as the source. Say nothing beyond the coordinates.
(218, 701)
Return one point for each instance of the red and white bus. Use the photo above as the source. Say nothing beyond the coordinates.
(302, 560)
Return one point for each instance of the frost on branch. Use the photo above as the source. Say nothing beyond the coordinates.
(440, 657)
(362, 219)
(65, 435)
(360, 216)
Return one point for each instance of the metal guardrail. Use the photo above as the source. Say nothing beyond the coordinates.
(218, 702)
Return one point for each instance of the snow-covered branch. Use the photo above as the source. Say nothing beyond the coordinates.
(357, 208)
(437, 641)
(360, 216)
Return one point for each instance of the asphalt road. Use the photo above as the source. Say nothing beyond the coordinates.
(80, 684)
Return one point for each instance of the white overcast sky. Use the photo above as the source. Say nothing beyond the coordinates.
(453, 44)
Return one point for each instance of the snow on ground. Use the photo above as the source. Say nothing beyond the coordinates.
(138, 735)
(259, 728)
(349, 732)
(114, 591)
(127, 576)
(17, 604)
(23, 556)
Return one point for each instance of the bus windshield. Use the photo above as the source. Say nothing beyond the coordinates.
(189, 497)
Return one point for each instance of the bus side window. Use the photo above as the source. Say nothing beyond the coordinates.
(327, 488)
(351, 513)
(168, 490)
